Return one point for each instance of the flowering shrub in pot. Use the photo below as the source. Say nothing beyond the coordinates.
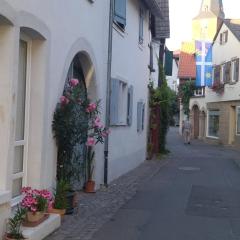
(96, 134)
(36, 203)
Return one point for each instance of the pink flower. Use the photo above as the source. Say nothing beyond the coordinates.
(91, 107)
(105, 133)
(64, 100)
(97, 123)
(74, 82)
(90, 141)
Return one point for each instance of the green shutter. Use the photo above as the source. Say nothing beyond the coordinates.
(120, 12)
(139, 116)
(168, 62)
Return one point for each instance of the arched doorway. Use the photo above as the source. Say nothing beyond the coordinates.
(195, 121)
(77, 165)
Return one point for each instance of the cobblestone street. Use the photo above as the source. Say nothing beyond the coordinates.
(96, 209)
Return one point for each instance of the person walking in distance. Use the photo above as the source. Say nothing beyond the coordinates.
(187, 128)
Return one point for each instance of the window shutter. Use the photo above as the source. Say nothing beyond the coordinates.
(139, 116)
(120, 12)
(217, 70)
(130, 105)
(141, 21)
(226, 36)
(221, 38)
(228, 72)
(143, 116)
(114, 101)
(237, 69)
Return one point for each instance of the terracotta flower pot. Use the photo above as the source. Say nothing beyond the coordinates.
(34, 217)
(6, 237)
(61, 212)
(90, 186)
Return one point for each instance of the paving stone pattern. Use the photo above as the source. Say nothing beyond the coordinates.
(96, 209)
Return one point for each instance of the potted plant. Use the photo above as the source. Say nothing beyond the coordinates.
(59, 204)
(90, 184)
(14, 225)
(36, 203)
(96, 134)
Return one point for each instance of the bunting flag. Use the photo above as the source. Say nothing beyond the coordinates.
(203, 64)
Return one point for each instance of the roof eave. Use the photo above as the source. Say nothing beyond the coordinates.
(153, 7)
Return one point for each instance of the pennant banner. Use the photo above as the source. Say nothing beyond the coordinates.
(203, 63)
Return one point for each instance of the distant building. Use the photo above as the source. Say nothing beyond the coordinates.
(219, 110)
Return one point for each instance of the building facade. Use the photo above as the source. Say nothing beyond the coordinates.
(221, 123)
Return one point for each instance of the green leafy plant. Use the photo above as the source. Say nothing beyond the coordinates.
(60, 200)
(14, 224)
(185, 93)
(160, 101)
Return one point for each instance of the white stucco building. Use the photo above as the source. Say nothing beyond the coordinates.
(39, 42)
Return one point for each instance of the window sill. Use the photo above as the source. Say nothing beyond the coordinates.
(5, 197)
(212, 137)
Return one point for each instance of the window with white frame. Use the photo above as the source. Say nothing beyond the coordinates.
(120, 7)
(238, 120)
(235, 70)
(121, 106)
(213, 123)
(21, 123)
(223, 37)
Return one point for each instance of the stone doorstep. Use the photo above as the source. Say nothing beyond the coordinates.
(44, 229)
(5, 197)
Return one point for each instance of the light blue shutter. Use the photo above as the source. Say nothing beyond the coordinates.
(114, 101)
(120, 11)
(130, 105)
(139, 116)
(141, 21)
(143, 115)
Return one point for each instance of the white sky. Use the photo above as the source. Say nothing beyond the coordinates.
(183, 11)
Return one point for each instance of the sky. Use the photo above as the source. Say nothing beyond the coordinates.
(183, 11)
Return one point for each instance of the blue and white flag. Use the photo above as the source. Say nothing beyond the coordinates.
(203, 64)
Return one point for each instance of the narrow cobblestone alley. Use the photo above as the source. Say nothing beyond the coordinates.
(193, 194)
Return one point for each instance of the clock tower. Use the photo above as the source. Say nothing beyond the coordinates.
(206, 23)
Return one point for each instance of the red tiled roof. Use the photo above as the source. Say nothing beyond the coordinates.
(187, 65)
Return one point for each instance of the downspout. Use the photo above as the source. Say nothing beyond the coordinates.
(108, 92)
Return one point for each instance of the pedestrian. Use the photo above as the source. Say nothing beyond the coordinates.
(187, 129)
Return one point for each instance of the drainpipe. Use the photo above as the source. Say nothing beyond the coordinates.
(108, 92)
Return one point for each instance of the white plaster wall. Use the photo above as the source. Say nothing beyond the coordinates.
(154, 75)
(127, 147)
(69, 29)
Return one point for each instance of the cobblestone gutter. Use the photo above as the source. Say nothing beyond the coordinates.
(96, 209)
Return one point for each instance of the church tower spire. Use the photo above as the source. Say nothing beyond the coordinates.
(206, 23)
(212, 6)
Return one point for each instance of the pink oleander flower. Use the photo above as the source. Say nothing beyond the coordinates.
(90, 141)
(74, 82)
(64, 100)
(91, 107)
(97, 123)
